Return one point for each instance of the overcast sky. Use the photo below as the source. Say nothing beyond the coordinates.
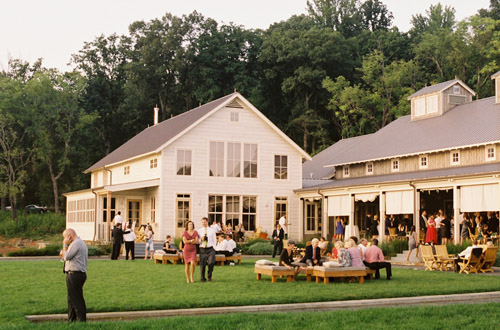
(55, 29)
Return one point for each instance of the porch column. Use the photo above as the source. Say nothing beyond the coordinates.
(324, 217)
(416, 213)
(456, 210)
(108, 216)
(351, 232)
(301, 222)
(381, 233)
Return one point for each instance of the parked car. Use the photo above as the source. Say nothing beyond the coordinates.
(32, 208)
(8, 208)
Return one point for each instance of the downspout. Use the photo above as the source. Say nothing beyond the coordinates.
(108, 206)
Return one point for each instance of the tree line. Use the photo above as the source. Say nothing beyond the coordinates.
(339, 71)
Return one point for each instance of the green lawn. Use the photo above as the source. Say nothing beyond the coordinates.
(38, 287)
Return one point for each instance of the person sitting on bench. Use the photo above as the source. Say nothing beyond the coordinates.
(374, 259)
(168, 247)
(313, 254)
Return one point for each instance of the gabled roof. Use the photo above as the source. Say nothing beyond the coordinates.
(155, 138)
(493, 76)
(440, 87)
(476, 123)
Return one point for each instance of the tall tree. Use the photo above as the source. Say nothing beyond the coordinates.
(375, 16)
(52, 100)
(343, 16)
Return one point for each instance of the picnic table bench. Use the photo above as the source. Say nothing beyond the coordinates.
(274, 272)
(325, 273)
(165, 258)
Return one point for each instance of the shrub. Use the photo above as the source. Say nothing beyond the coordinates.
(497, 262)
(49, 250)
(260, 248)
(394, 247)
(456, 249)
(95, 250)
(31, 225)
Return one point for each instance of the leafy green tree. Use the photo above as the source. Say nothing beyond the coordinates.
(375, 16)
(16, 154)
(343, 16)
(52, 100)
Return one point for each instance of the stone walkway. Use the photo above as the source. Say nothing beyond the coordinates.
(468, 298)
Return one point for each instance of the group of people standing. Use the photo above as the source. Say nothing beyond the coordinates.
(128, 236)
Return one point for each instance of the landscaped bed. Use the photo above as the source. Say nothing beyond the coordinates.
(38, 287)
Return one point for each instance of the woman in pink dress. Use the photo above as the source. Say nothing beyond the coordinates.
(190, 239)
(431, 231)
(355, 254)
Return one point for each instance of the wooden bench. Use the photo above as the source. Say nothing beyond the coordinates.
(165, 258)
(235, 258)
(274, 272)
(220, 259)
(308, 271)
(325, 273)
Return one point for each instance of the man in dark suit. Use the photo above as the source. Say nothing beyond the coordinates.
(313, 254)
(492, 222)
(117, 234)
(423, 221)
(278, 235)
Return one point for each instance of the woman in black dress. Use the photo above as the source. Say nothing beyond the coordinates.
(286, 257)
(445, 230)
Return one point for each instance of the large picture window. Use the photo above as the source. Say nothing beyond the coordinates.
(230, 210)
(184, 161)
(250, 160)
(216, 159)
(280, 208)
(105, 208)
(233, 159)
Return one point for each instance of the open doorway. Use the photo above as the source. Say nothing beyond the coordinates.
(364, 211)
(438, 199)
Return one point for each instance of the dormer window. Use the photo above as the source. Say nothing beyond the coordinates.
(490, 153)
(423, 162)
(346, 171)
(369, 168)
(395, 165)
(455, 157)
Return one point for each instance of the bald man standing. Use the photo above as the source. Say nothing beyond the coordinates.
(75, 255)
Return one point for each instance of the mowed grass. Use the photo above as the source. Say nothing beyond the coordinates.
(38, 287)
(462, 316)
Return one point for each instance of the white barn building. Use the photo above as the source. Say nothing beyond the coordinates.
(224, 160)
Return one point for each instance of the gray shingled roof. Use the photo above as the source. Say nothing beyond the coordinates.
(439, 87)
(314, 169)
(155, 136)
(410, 176)
(468, 124)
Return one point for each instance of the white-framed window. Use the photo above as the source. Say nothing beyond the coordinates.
(490, 153)
(250, 160)
(420, 107)
(233, 168)
(183, 209)
(234, 116)
(153, 163)
(456, 89)
(81, 210)
(455, 157)
(346, 171)
(216, 159)
(280, 167)
(112, 208)
(153, 209)
(231, 210)
(313, 217)
(184, 162)
(369, 168)
(126, 170)
(280, 208)
(423, 162)
(432, 104)
(395, 165)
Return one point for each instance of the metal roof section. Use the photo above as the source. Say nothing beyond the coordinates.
(440, 87)
(493, 168)
(467, 125)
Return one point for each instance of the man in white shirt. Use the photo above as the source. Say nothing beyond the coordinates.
(118, 219)
(465, 254)
(438, 220)
(207, 241)
(284, 225)
(216, 226)
(362, 245)
(227, 246)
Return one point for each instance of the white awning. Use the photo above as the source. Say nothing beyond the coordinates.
(399, 202)
(480, 198)
(370, 197)
(133, 185)
(339, 205)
